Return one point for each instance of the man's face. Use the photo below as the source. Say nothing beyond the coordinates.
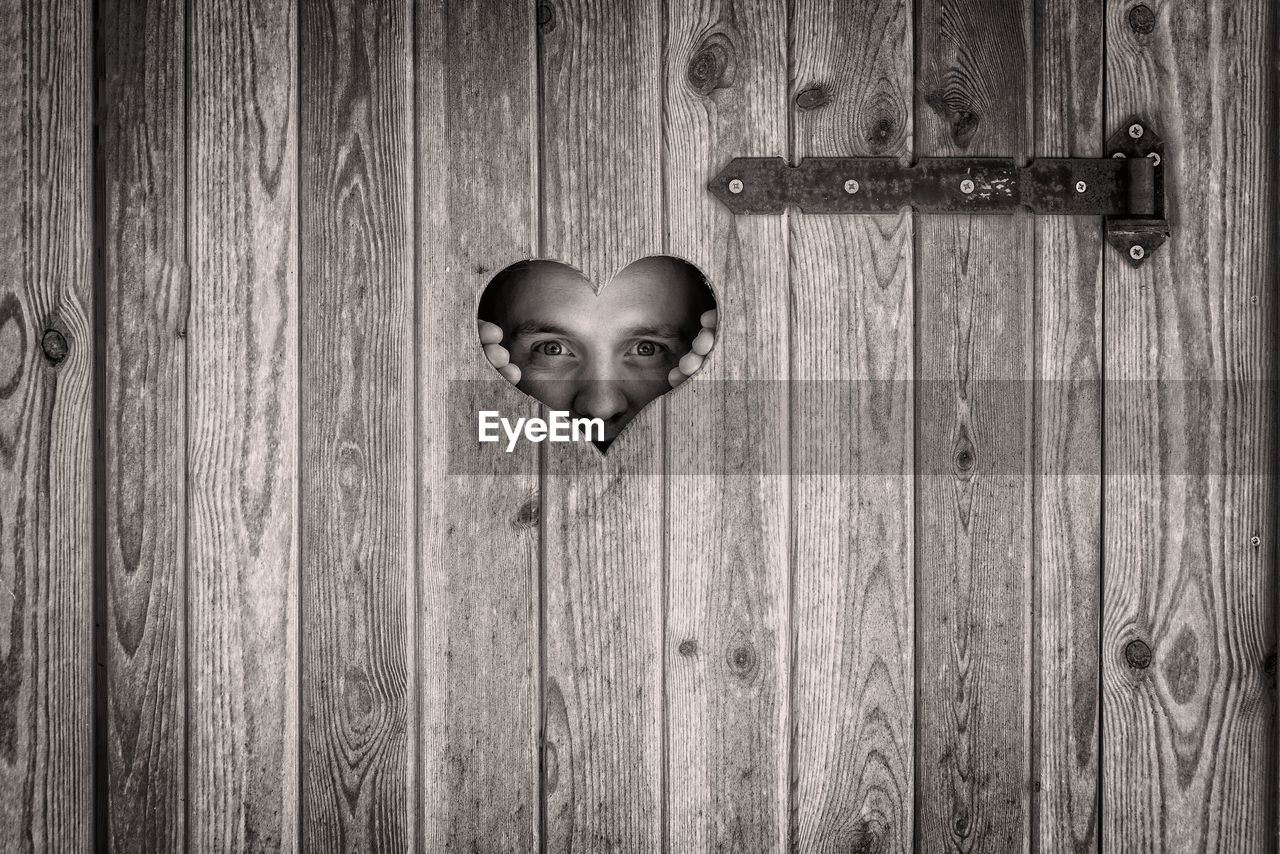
(601, 356)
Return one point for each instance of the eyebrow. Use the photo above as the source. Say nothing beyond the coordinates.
(537, 327)
(661, 330)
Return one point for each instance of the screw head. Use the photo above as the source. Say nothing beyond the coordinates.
(1119, 155)
(1256, 540)
(966, 186)
(851, 186)
(1136, 252)
(735, 186)
(1135, 130)
(1081, 186)
(1154, 157)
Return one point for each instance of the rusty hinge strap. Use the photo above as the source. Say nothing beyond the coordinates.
(837, 185)
(1127, 187)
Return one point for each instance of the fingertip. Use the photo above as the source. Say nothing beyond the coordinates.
(497, 355)
(703, 343)
(511, 372)
(676, 376)
(709, 318)
(490, 333)
(689, 363)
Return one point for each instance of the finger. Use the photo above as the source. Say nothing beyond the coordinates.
(703, 343)
(490, 333)
(689, 363)
(497, 355)
(676, 377)
(511, 372)
(709, 318)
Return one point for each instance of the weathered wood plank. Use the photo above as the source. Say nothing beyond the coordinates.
(726, 643)
(1068, 424)
(357, 440)
(242, 427)
(851, 334)
(974, 355)
(1190, 339)
(602, 557)
(46, 429)
(142, 251)
(478, 532)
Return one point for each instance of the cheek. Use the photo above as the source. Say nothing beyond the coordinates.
(554, 392)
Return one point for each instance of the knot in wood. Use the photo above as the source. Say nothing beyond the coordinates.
(866, 838)
(963, 458)
(688, 647)
(1141, 19)
(54, 345)
(1137, 654)
(546, 17)
(710, 66)
(529, 514)
(813, 97)
(742, 660)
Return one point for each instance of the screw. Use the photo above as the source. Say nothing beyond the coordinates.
(851, 186)
(1136, 252)
(966, 186)
(1257, 541)
(1155, 157)
(735, 186)
(1135, 130)
(1119, 155)
(1081, 186)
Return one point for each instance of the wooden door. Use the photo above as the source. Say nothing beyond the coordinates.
(963, 539)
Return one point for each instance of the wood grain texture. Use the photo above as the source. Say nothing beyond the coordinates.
(1190, 424)
(1068, 434)
(357, 440)
(479, 506)
(46, 433)
(726, 646)
(973, 358)
(242, 427)
(852, 343)
(142, 252)
(603, 517)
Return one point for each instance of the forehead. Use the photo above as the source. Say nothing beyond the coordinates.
(643, 293)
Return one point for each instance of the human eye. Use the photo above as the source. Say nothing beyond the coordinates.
(551, 348)
(648, 348)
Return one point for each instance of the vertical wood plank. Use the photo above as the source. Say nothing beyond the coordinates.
(357, 441)
(601, 155)
(973, 502)
(142, 251)
(1190, 339)
(46, 429)
(727, 521)
(1068, 424)
(851, 333)
(242, 423)
(478, 532)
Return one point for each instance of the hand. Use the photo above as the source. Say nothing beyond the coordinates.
(491, 338)
(702, 344)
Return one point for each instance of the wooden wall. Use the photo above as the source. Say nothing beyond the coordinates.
(963, 540)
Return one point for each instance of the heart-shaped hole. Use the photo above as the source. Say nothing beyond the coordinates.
(598, 355)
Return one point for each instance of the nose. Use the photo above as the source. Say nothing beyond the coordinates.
(600, 398)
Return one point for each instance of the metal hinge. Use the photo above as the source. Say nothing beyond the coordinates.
(1126, 187)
